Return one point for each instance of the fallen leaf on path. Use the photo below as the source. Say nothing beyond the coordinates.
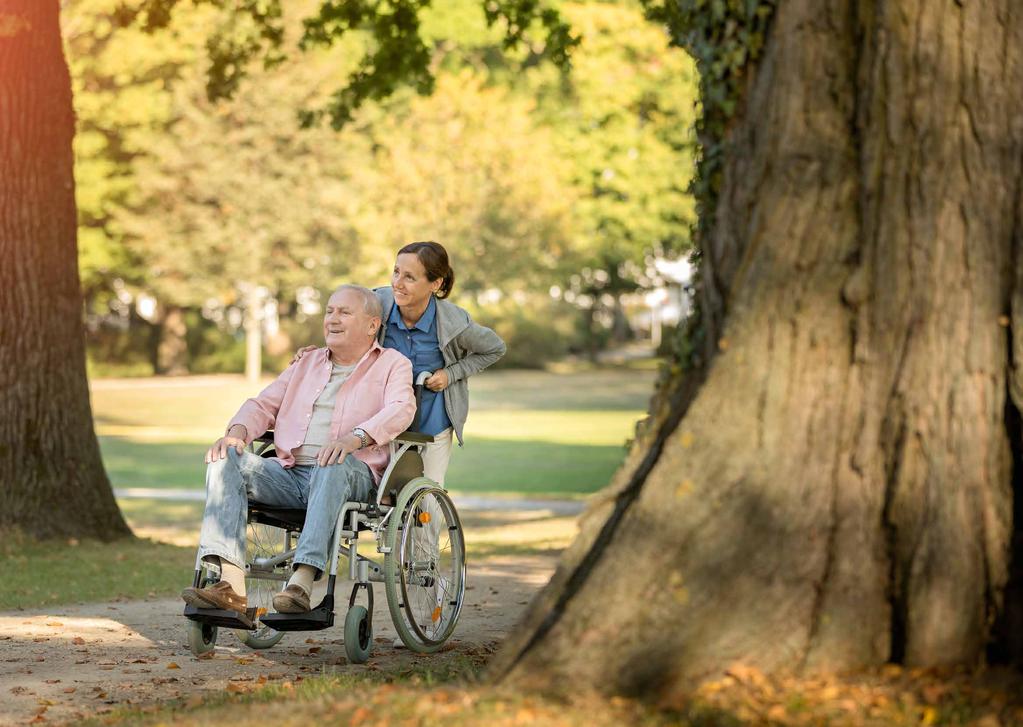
(173, 665)
(70, 690)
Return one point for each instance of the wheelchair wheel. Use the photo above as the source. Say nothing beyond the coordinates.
(424, 569)
(358, 635)
(262, 582)
(201, 637)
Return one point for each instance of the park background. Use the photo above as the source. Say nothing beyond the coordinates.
(210, 230)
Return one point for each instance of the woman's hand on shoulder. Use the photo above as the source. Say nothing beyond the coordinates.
(301, 352)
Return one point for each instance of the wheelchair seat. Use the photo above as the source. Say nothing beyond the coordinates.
(286, 518)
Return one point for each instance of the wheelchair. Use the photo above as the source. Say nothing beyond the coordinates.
(420, 559)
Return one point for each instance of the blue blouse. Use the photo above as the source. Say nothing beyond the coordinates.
(421, 346)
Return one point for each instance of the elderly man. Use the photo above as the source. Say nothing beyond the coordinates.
(333, 413)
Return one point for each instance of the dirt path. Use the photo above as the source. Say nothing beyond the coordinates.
(65, 663)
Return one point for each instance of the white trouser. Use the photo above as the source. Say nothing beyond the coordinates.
(436, 456)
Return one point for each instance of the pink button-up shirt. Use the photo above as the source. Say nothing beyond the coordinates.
(377, 397)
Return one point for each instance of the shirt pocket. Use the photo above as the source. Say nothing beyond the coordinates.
(428, 360)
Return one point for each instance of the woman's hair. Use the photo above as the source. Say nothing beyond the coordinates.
(434, 258)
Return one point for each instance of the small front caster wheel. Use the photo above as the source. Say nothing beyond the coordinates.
(358, 635)
(201, 637)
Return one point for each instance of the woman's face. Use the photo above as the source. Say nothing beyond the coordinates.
(409, 282)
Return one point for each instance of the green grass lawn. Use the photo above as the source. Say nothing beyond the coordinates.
(53, 572)
(160, 562)
(529, 432)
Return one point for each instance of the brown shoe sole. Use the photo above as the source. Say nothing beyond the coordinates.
(201, 598)
(287, 603)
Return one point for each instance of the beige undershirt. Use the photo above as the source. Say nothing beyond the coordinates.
(318, 433)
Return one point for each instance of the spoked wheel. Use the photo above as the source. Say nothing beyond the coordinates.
(424, 570)
(263, 580)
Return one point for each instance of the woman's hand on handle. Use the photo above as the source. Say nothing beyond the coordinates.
(439, 380)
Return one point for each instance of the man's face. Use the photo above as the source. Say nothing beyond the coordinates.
(346, 325)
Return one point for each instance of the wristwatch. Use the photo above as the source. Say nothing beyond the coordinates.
(362, 435)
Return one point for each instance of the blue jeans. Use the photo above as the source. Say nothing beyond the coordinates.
(231, 483)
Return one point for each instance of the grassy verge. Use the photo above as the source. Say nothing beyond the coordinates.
(160, 561)
(56, 572)
(532, 432)
(442, 692)
(446, 690)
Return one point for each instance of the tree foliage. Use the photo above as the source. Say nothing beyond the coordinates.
(532, 177)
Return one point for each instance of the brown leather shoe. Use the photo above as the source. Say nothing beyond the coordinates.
(219, 595)
(291, 600)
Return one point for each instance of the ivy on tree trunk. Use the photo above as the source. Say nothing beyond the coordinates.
(831, 486)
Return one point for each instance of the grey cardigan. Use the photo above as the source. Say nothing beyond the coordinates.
(467, 348)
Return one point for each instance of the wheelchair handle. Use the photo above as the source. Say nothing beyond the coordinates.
(417, 387)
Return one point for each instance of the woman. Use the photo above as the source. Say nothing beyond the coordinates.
(438, 337)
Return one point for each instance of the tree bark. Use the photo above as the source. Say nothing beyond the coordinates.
(53, 479)
(834, 488)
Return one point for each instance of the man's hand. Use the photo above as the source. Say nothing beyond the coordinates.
(439, 380)
(336, 451)
(301, 352)
(235, 438)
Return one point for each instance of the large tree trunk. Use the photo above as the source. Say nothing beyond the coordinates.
(834, 488)
(52, 481)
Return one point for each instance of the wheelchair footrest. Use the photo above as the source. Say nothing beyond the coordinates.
(321, 617)
(221, 617)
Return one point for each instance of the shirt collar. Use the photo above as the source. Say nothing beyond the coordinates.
(425, 321)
